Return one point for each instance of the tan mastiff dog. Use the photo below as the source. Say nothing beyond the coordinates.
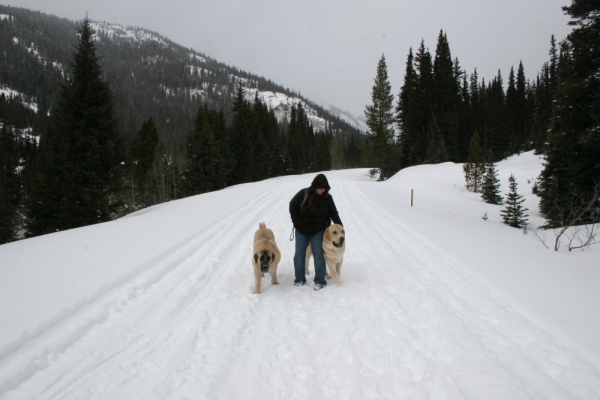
(266, 256)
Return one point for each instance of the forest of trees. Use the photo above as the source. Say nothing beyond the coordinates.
(441, 110)
(84, 162)
(84, 170)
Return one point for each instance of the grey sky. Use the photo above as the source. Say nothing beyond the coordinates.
(328, 50)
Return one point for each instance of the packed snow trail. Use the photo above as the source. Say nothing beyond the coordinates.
(408, 321)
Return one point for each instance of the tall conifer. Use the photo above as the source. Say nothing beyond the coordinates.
(446, 97)
(208, 161)
(425, 100)
(407, 113)
(78, 174)
(572, 169)
(380, 120)
(10, 183)
(142, 154)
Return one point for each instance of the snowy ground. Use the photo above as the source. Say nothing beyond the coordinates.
(436, 303)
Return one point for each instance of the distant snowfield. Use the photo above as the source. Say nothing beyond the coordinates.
(436, 303)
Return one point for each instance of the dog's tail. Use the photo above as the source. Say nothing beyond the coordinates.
(261, 225)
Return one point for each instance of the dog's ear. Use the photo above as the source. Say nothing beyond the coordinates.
(255, 257)
(327, 234)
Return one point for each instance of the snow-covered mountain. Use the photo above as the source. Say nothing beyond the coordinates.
(150, 75)
(435, 301)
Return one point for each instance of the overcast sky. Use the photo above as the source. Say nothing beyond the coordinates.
(328, 50)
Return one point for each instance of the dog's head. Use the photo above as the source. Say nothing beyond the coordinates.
(265, 259)
(336, 235)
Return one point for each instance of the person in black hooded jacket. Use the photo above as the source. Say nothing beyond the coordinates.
(312, 209)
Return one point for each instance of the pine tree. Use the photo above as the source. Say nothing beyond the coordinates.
(208, 164)
(474, 169)
(78, 173)
(514, 213)
(572, 169)
(511, 109)
(301, 141)
(142, 154)
(436, 145)
(490, 188)
(268, 156)
(242, 146)
(523, 112)
(497, 139)
(10, 184)
(407, 112)
(380, 120)
(424, 104)
(446, 97)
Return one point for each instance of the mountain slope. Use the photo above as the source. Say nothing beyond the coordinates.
(158, 305)
(150, 75)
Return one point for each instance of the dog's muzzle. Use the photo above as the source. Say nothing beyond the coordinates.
(265, 263)
(340, 243)
(264, 268)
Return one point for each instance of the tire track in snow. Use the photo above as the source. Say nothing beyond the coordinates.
(451, 319)
(187, 325)
(165, 291)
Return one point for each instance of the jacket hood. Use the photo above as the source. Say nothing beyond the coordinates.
(319, 182)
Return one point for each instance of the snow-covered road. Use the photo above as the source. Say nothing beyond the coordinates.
(408, 322)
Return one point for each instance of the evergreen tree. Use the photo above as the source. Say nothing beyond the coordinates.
(522, 116)
(497, 139)
(380, 120)
(10, 184)
(436, 146)
(542, 110)
(446, 97)
(490, 188)
(78, 174)
(474, 169)
(425, 101)
(477, 109)
(408, 114)
(465, 117)
(517, 107)
(301, 142)
(208, 164)
(514, 213)
(242, 143)
(142, 154)
(322, 158)
(572, 169)
(512, 110)
(268, 157)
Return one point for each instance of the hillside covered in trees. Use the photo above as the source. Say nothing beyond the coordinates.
(444, 114)
(99, 120)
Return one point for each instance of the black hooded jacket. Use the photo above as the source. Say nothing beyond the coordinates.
(311, 212)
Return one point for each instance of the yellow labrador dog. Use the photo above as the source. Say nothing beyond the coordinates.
(334, 245)
(266, 256)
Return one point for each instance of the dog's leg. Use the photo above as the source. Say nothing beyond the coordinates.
(338, 269)
(257, 276)
(273, 271)
(333, 270)
(308, 255)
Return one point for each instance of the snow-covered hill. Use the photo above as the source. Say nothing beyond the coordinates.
(280, 103)
(436, 303)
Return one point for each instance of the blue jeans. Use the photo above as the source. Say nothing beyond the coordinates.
(316, 241)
